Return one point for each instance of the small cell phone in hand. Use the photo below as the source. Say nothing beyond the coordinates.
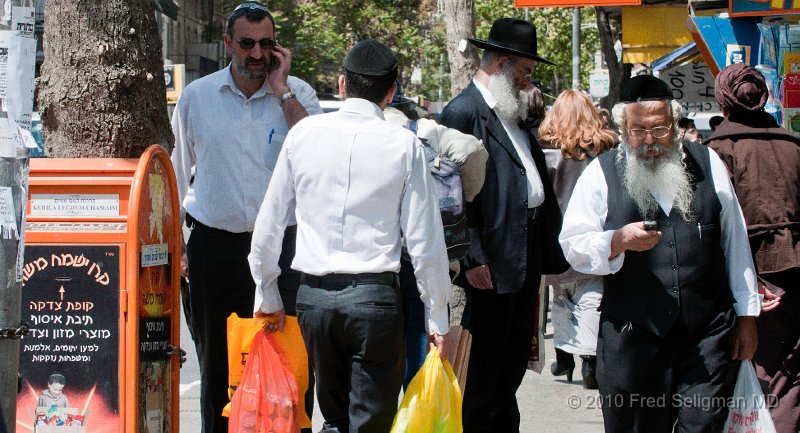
(650, 225)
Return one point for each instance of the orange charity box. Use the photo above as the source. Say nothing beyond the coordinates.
(100, 291)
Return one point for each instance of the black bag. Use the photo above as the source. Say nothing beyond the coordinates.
(450, 192)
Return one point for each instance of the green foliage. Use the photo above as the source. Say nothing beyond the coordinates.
(320, 32)
(554, 38)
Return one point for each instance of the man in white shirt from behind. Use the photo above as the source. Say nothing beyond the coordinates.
(356, 184)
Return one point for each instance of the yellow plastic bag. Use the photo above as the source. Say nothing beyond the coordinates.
(432, 402)
(240, 337)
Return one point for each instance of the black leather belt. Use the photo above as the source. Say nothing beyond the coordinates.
(193, 223)
(533, 213)
(340, 280)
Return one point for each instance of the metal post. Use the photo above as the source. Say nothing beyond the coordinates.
(17, 61)
(576, 48)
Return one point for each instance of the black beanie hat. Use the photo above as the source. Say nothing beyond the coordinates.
(371, 58)
(645, 88)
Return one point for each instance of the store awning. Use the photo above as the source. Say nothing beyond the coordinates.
(651, 32)
(168, 8)
(682, 55)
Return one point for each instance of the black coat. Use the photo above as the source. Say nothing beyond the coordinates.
(498, 214)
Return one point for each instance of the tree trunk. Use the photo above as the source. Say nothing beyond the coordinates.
(459, 18)
(616, 71)
(102, 90)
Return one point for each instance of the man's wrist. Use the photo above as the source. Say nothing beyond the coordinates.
(287, 96)
(281, 89)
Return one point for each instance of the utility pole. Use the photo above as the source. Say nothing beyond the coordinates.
(17, 64)
(576, 48)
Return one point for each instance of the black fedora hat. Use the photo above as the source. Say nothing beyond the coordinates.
(399, 99)
(510, 35)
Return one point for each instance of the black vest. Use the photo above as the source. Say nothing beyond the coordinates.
(684, 276)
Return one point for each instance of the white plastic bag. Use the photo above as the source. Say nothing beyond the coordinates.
(748, 411)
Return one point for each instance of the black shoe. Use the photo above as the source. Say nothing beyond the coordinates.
(588, 371)
(565, 364)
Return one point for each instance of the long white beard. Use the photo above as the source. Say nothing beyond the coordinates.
(665, 174)
(510, 105)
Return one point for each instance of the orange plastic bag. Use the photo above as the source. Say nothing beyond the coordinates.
(290, 341)
(240, 336)
(266, 400)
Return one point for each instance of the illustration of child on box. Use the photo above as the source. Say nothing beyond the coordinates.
(54, 396)
(53, 410)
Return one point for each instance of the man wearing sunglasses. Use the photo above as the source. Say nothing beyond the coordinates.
(229, 129)
(659, 219)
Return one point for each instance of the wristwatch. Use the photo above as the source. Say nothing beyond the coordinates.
(287, 96)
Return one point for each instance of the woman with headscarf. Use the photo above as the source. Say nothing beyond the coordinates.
(573, 134)
(763, 160)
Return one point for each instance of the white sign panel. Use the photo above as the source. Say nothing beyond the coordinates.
(21, 66)
(598, 85)
(692, 85)
(75, 205)
(154, 255)
(5, 43)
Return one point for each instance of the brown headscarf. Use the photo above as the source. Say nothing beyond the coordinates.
(740, 89)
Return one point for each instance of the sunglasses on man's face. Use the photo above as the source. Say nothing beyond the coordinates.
(265, 44)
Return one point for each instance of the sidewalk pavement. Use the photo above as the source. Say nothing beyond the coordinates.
(547, 404)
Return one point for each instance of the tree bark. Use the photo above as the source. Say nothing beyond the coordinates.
(102, 90)
(616, 71)
(459, 18)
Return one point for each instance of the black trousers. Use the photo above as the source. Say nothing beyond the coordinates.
(220, 283)
(416, 334)
(502, 333)
(353, 331)
(680, 383)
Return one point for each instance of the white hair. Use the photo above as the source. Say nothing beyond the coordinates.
(619, 113)
(670, 173)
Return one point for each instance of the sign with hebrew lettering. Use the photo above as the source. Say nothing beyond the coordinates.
(157, 299)
(70, 360)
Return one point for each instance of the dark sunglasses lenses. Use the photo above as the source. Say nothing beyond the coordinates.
(265, 44)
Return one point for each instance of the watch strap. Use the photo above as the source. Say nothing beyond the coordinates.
(287, 96)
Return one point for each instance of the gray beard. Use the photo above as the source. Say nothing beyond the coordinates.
(666, 174)
(510, 105)
(241, 69)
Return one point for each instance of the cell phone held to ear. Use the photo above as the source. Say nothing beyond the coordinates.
(650, 225)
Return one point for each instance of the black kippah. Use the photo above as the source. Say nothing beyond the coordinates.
(645, 88)
(371, 58)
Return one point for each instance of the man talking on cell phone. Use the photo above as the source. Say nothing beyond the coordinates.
(229, 129)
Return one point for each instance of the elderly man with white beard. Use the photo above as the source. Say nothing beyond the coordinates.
(679, 300)
(514, 224)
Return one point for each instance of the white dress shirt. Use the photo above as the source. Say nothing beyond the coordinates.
(520, 141)
(587, 246)
(356, 184)
(230, 143)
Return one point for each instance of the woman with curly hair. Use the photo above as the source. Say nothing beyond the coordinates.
(572, 134)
